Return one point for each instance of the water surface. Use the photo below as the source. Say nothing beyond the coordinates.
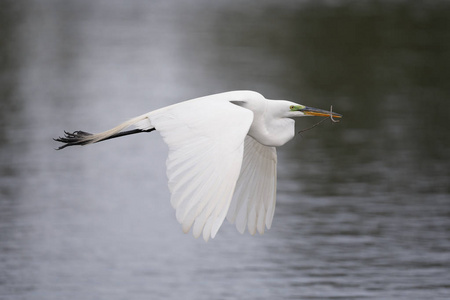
(363, 206)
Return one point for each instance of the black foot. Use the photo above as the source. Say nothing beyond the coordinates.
(73, 139)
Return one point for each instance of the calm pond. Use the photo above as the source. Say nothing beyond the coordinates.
(363, 206)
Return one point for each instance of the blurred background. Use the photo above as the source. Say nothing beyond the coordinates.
(363, 207)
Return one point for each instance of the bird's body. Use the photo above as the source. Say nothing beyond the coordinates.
(222, 157)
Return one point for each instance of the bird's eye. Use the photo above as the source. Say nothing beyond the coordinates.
(292, 107)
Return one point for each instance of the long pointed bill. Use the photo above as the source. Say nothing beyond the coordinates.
(311, 111)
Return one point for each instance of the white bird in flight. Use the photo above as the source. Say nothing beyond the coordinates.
(222, 158)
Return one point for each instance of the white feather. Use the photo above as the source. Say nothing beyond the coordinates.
(255, 194)
(205, 156)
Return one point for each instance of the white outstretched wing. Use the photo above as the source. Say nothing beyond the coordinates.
(254, 199)
(206, 145)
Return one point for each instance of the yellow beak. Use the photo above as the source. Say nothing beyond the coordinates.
(311, 111)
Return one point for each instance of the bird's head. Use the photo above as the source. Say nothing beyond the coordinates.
(277, 109)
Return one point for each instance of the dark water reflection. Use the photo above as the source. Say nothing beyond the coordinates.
(363, 206)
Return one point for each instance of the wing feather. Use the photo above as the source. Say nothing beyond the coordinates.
(253, 203)
(206, 147)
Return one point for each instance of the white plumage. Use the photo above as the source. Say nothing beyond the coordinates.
(222, 158)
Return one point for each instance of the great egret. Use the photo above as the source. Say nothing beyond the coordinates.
(222, 158)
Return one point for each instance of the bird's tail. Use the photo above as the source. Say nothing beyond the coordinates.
(142, 124)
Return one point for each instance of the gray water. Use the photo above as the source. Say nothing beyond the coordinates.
(363, 207)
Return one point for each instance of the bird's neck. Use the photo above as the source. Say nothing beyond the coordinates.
(275, 132)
